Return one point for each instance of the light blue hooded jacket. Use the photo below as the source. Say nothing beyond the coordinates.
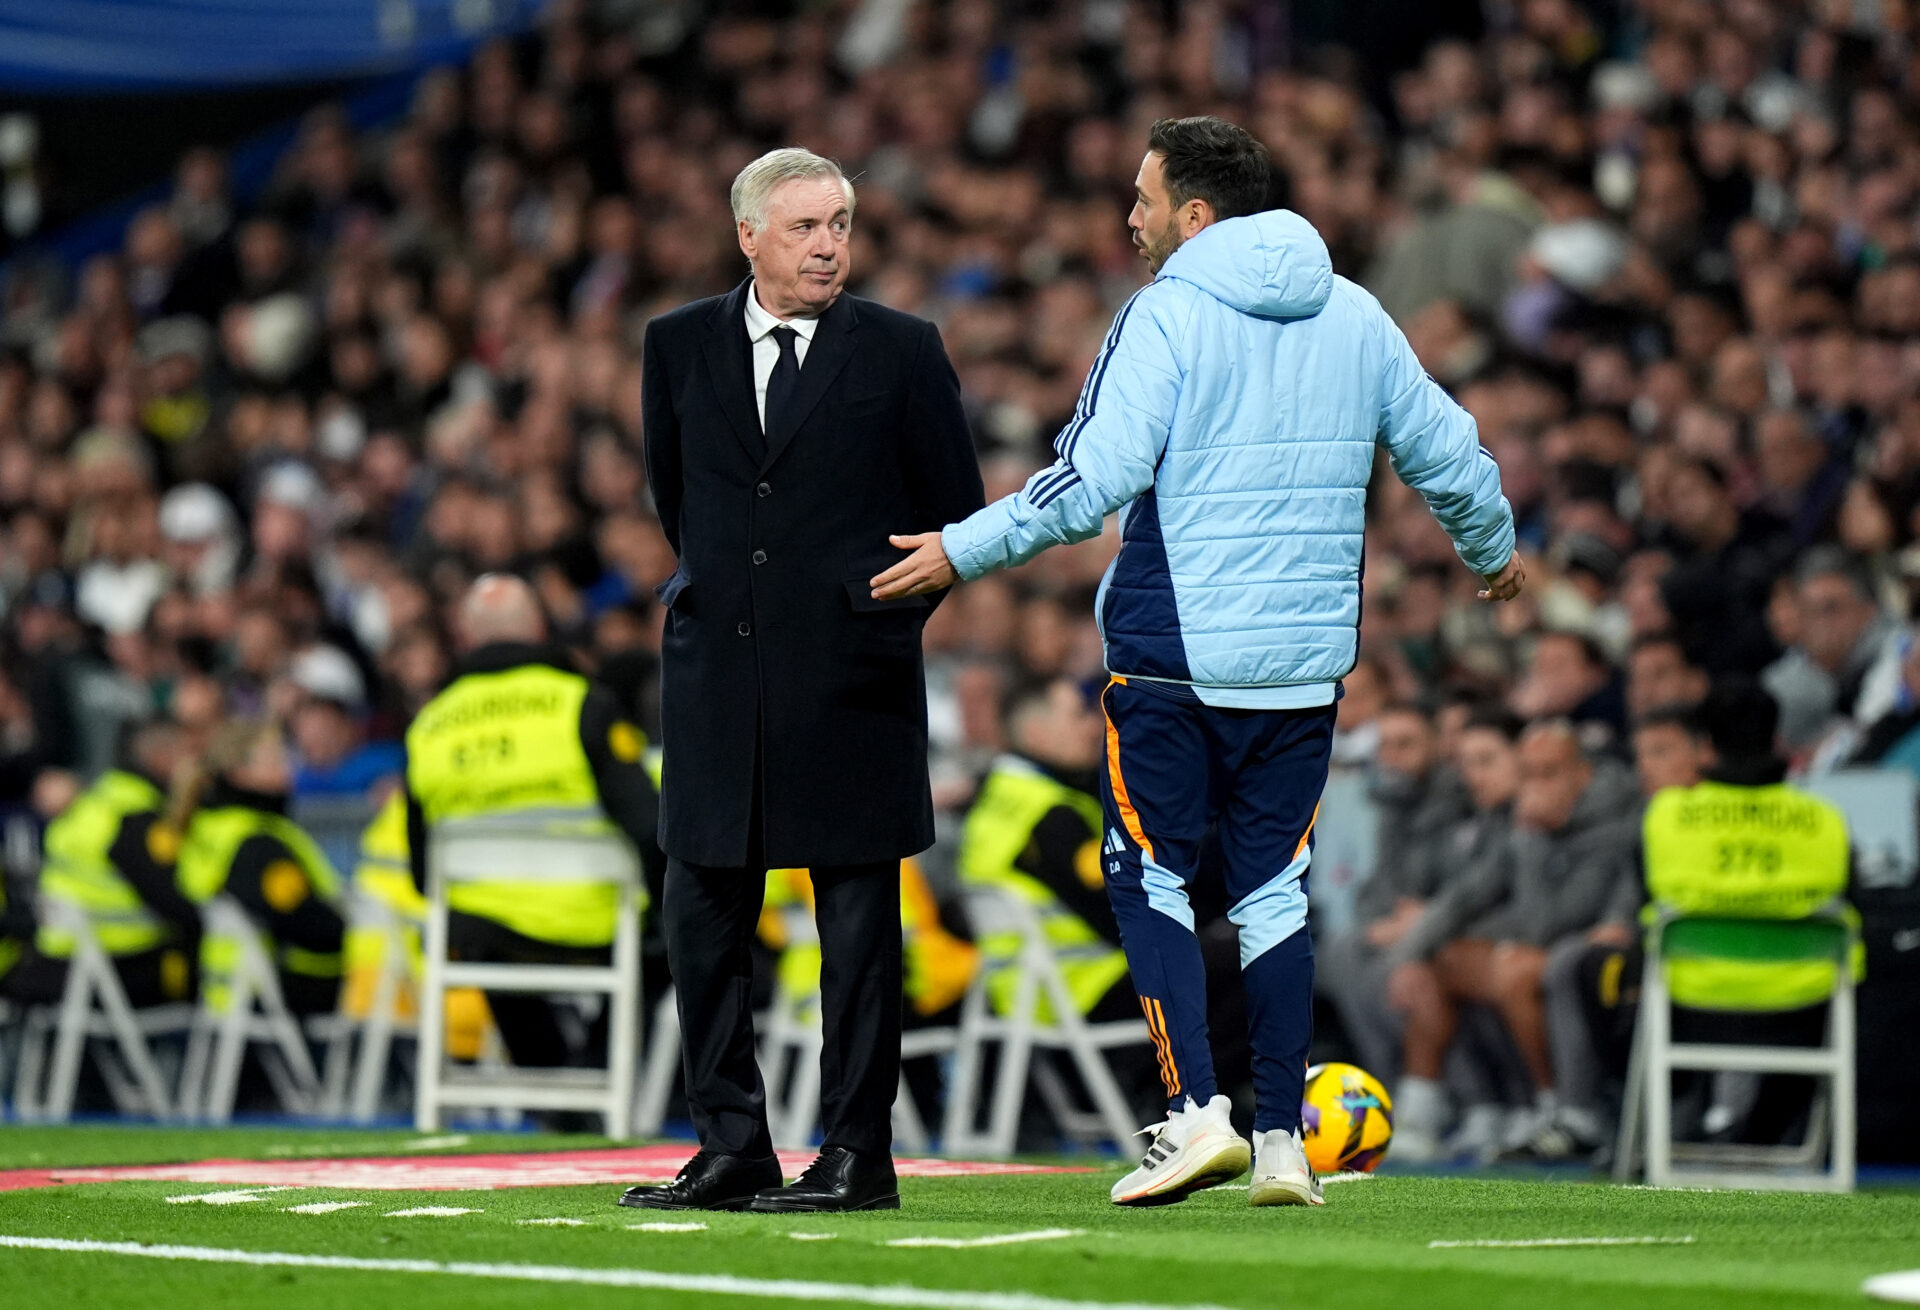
(1232, 416)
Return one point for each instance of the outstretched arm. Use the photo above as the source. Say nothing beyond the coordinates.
(1434, 446)
(1107, 456)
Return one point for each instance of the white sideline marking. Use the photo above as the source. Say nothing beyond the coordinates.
(239, 1197)
(556, 1222)
(322, 1207)
(774, 1289)
(657, 1227)
(813, 1237)
(1568, 1241)
(430, 1212)
(1001, 1239)
(1903, 1287)
(435, 1143)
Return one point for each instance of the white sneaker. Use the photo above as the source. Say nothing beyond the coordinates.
(1195, 1148)
(1281, 1175)
(1480, 1135)
(1419, 1116)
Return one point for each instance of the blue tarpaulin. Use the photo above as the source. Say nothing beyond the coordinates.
(51, 46)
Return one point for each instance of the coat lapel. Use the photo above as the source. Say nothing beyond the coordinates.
(827, 354)
(731, 365)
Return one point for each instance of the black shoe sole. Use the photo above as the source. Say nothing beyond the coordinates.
(762, 1205)
(733, 1203)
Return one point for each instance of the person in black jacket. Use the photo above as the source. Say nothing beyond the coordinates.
(791, 430)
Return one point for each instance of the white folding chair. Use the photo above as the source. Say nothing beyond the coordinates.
(356, 1070)
(507, 849)
(662, 1061)
(790, 1059)
(93, 1014)
(255, 1017)
(1021, 1033)
(1827, 937)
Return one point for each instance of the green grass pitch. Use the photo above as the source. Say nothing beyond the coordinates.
(1369, 1246)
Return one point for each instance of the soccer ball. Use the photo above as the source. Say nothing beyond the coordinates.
(1346, 1119)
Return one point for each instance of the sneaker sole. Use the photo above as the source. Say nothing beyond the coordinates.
(1225, 1164)
(1271, 1191)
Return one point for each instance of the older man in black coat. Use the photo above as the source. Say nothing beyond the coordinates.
(791, 431)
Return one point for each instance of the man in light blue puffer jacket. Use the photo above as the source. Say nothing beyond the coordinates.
(1232, 418)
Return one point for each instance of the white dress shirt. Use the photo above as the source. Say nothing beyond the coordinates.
(766, 351)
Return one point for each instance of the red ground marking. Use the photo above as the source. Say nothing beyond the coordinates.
(448, 1173)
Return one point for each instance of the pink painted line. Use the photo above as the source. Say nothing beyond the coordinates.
(447, 1173)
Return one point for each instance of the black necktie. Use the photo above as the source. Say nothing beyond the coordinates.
(784, 381)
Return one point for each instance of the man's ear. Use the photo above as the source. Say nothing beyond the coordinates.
(1195, 216)
(744, 230)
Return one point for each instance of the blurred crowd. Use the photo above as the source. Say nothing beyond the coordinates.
(1665, 252)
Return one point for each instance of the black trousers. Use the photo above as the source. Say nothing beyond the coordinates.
(710, 916)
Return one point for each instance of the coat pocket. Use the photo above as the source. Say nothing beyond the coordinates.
(860, 595)
(672, 592)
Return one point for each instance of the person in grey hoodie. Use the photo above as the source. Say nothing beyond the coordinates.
(1486, 939)
(1420, 800)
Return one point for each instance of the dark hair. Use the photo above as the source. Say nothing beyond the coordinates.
(1742, 718)
(1212, 160)
(1837, 562)
(1494, 717)
(1690, 719)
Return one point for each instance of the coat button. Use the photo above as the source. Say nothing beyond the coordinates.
(745, 629)
(759, 557)
(764, 489)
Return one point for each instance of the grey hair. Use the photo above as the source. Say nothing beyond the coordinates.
(756, 182)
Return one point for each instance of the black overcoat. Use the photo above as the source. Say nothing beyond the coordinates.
(774, 654)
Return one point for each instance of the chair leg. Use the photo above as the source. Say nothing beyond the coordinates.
(229, 1051)
(1656, 1018)
(662, 1058)
(1626, 1151)
(430, 1068)
(1843, 1039)
(70, 1039)
(1010, 1087)
(133, 1047)
(29, 1074)
(909, 1129)
(191, 1095)
(623, 1039)
(963, 1083)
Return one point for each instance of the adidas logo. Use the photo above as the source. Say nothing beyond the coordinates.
(1116, 845)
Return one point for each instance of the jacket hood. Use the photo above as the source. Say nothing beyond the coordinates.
(1272, 264)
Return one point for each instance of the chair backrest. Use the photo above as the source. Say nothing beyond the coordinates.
(1754, 965)
(537, 850)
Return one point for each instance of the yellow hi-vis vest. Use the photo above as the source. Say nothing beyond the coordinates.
(384, 874)
(10, 949)
(509, 743)
(937, 966)
(213, 838)
(1012, 801)
(1765, 853)
(79, 873)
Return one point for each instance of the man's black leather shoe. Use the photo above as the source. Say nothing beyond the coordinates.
(838, 1179)
(709, 1182)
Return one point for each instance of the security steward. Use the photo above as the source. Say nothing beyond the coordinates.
(110, 857)
(1034, 833)
(236, 840)
(518, 731)
(1743, 844)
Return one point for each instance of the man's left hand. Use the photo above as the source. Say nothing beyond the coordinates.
(927, 569)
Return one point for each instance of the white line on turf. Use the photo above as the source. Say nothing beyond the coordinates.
(813, 1237)
(999, 1239)
(1566, 1241)
(558, 1221)
(238, 1197)
(435, 1143)
(773, 1289)
(323, 1207)
(1903, 1287)
(430, 1212)
(666, 1228)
